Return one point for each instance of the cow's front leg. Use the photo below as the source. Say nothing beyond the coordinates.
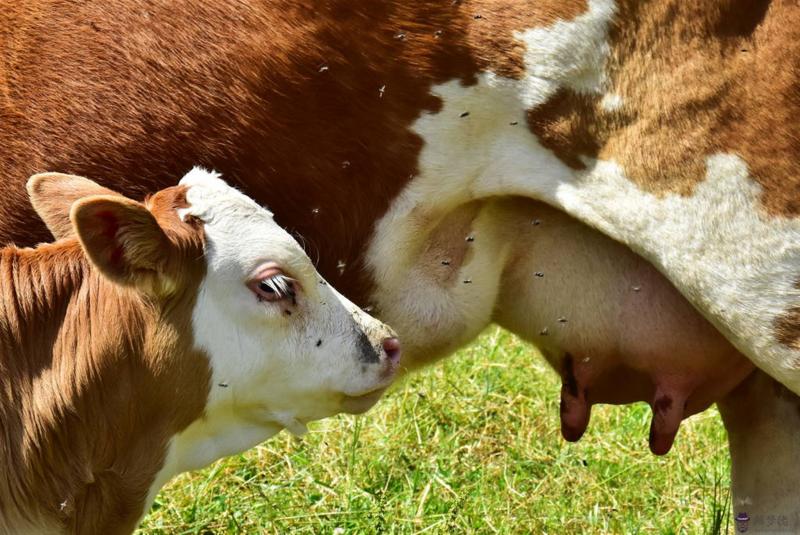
(762, 418)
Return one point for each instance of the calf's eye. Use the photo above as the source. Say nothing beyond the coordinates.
(274, 285)
(265, 286)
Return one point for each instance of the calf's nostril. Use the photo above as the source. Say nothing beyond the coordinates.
(392, 348)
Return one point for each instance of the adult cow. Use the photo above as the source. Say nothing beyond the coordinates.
(382, 131)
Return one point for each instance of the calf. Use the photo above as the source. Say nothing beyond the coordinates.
(153, 338)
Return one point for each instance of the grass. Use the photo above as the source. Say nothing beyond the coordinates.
(471, 445)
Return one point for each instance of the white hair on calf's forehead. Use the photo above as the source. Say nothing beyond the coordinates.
(208, 191)
(202, 176)
(239, 231)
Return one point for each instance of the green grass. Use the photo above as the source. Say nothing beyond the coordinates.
(471, 445)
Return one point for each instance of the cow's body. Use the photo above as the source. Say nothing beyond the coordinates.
(383, 131)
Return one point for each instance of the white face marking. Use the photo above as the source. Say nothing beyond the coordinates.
(275, 363)
(734, 263)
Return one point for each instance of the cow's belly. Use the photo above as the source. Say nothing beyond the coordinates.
(614, 327)
(608, 321)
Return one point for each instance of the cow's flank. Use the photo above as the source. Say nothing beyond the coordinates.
(127, 72)
(689, 80)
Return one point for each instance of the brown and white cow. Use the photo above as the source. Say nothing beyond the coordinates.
(155, 338)
(383, 132)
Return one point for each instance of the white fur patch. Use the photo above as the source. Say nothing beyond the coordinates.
(734, 262)
(567, 54)
(611, 102)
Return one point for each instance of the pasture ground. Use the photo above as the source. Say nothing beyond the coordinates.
(471, 445)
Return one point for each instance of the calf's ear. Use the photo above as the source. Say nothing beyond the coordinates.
(52, 196)
(123, 240)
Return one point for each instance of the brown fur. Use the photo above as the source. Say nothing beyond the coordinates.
(94, 380)
(696, 78)
(307, 105)
(137, 94)
(787, 326)
(489, 36)
(50, 194)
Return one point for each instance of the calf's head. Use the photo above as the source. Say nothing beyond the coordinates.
(283, 346)
(279, 337)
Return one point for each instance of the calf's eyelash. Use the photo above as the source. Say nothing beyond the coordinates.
(280, 284)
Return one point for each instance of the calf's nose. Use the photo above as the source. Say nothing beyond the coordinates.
(392, 348)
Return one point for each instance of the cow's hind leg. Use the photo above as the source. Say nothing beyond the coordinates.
(762, 418)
